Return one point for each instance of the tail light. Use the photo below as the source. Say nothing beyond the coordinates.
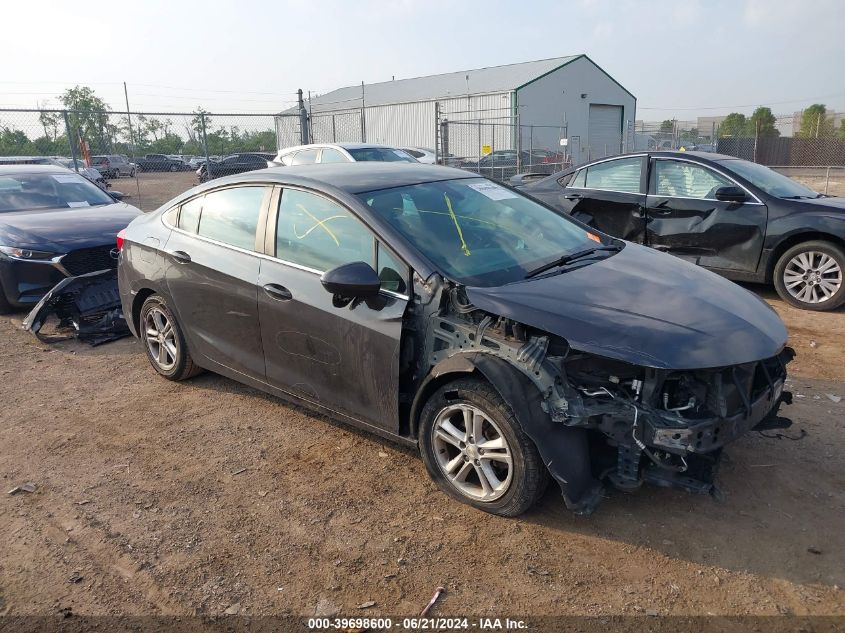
(120, 239)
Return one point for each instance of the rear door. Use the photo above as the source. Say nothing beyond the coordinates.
(685, 218)
(213, 272)
(610, 195)
(344, 356)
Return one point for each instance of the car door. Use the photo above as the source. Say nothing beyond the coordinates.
(686, 219)
(609, 195)
(343, 356)
(213, 272)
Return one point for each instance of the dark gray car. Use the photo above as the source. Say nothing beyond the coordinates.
(433, 307)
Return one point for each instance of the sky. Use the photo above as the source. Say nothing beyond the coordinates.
(680, 58)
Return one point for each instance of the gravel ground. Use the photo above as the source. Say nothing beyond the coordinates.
(207, 496)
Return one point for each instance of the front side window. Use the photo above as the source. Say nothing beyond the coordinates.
(332, 156)
(477, 232)
(231, 215)
(391, 271)
(318, 233)
(305, 157)
(674, 178)
(616, 175)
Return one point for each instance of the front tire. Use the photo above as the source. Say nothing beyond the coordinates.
(164, 341)
(810, 276)
(476, 452)
(174, 168)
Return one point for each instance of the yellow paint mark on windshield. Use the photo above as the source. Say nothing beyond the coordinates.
(464, 246)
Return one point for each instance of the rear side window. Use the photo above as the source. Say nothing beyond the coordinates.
(616, 175)
(231, 216)
(579, 180)
(305, 157)
(189, 217)
(332, 156)
(318, 233)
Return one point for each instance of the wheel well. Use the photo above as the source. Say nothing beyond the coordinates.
(137, 303)
(429, 388)
(791, 241)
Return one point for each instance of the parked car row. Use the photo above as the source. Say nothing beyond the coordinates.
(513, 334)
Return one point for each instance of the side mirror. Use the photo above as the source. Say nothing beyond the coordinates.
(117, 195)
(357, 279)
(730, 194)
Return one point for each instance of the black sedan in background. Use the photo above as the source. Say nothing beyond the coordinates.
(234, 164)
(53, 224)
(734, 217)
(506, 341)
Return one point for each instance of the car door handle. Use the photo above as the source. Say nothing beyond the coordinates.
(573, 196)
(277, 292)
(181, 257)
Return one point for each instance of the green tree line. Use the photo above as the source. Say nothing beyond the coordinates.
(815, 123)
(107, 132)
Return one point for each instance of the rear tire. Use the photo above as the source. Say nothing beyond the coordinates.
(476, 452)
(174, 168)
(164, 341)
(811, 276)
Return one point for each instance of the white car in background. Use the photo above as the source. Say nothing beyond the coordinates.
(339, 153)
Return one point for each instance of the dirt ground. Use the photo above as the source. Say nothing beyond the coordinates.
(194, 498)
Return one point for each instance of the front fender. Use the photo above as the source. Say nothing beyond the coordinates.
(564, 449)
(821, 221)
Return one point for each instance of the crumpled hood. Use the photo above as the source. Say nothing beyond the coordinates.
(62, 230)
(646, 308)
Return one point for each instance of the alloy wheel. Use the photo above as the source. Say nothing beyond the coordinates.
(472, 452)
(812, 277)
(161, 339)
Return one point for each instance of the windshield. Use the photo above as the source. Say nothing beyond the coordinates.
(476, 231)
(20, 192)
(768, 180)
(380, 154)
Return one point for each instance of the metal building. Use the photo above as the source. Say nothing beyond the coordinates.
(565, 102)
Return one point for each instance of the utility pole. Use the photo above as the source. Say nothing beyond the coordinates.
(303, 119)
(310, 119)
(363, 116)
(131, 139)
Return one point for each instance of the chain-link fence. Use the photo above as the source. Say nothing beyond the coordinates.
(147, 156)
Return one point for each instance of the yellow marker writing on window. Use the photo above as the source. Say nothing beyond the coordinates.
(464, 246)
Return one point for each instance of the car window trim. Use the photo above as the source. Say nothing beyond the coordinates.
(757, 200)
(272, 226)
(607, 160)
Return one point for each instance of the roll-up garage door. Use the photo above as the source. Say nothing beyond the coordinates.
(605, 131)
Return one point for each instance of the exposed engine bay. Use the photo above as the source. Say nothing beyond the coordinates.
(636, 424)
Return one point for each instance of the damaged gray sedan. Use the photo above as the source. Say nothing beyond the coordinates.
(509, 343)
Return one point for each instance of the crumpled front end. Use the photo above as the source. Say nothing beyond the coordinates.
(637, 424)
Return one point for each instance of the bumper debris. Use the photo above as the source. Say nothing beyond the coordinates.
(89, 303)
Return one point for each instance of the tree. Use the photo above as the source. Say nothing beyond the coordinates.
(840, 133)
(815, 122)
(762, 123)
(735, 124)
(667, 127)
(88, 117)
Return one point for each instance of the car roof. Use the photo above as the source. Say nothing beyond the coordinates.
(702, 155)
(352, 178)
(10, 170)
